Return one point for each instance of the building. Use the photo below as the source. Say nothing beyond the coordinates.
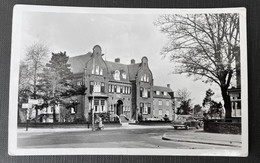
(235, 92)
(118, 89)
(163, 102)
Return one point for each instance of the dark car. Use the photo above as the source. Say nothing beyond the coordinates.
(186, 121)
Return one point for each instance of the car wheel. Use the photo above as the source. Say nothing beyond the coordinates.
(175, 128)
(197, 127)
(187, 127)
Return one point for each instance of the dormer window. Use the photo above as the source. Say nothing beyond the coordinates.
(157, 92)
(124, 75)
(117, 75)
(165, 93)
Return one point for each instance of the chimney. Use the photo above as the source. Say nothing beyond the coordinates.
(117, 60)
(132, 61)
(168, 85)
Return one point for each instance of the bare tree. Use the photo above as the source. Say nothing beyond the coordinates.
(36, 56)
(183, 94)
(205, 46)
(185, 106)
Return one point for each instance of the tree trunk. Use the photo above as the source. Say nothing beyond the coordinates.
(54, 114)
(227, 102)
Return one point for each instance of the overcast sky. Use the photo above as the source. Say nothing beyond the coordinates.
(126, 36)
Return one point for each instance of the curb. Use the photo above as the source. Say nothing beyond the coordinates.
(196, 141)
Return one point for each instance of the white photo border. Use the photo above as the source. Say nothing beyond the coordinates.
(14, 79)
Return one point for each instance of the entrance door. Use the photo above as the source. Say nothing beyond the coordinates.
(119, 107)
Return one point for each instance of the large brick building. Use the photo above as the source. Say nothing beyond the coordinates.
(119, 89)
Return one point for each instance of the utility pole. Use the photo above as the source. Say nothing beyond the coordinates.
(93, 121)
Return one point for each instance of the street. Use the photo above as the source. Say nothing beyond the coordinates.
(111, 138)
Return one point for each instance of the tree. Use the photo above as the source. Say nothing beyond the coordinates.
(185, 106)
(56, 79)
(205, 46)
(183, 94)
(198, 111)
(215, 108)
(36, 55)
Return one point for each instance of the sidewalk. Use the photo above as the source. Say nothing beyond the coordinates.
(124, 126)
(199, 136)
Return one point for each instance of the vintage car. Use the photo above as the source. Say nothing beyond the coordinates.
(185, 121)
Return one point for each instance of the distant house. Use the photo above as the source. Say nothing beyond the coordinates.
(235, 92)
(119, 89)
(163, 102)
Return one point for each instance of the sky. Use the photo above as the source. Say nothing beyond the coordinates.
(124, 36)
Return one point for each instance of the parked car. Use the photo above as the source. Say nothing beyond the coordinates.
(185, 121)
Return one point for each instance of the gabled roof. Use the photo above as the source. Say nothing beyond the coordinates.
(133, 69)
(161, 89)
(78, 63)
(113, 66)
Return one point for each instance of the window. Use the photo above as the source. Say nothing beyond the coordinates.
(167, 112)
(167, 103)
(101, 71)
(147, 79)
(141, 92)
(165, 93)
(141, 107)
(124, 75)
(129, 90)
(117, 75)
(142, 78)
(103, 87)
(91, 86)
(160, 112)
(102, 105)
(96, 104)
(157, 92)
(121, 89)
(160, 102)
(149, 94)
(112, 88)
(118, 89)
(97, 86)
(115, 88)
(149, 108)
(109, 88)
(93, 70)
(145, 110)
(97, 70)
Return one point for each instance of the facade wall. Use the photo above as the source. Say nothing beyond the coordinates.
(124, 96)
(161, 107)
(144, 97)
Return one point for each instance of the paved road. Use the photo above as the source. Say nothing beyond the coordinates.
(117, 138)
